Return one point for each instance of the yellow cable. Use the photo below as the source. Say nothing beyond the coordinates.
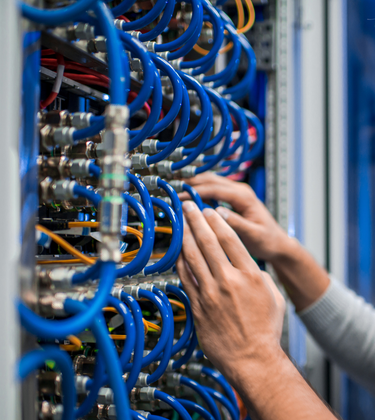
(146, 323)
(81, 257)
(75, 346)
(65, 245)
(117, 336)
(240, 28)
(177, 303)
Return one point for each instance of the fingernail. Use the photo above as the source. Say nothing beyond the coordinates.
(188, 206)
(224, 213)
(208, 212)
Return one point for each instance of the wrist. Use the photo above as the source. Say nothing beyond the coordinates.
(288, 250)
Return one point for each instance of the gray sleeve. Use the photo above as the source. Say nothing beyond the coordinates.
(343, 324)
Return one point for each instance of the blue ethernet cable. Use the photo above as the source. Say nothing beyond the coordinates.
(212, 160)
(240, 118)
(94, 386)
(91, 273)
(136, 366)
(81, 191)
(241, 89)
(166, 331)
(173, 290)
(154, 417)
(36, 359)
(162, 396)
(122, 8)
(109, 354)
(187, 36)
(221, 381)
(137, 416)
(194, 195)
(176, 202)
(223, 401)
(145, 20)
(95, 170)
(144, 194)
(218, 25)
(117, 88)
(90, 131)
(60, 329)
(257, 147)
(201, 391)
(137, 137)
(190, 405)
(138, 50)
(221, 105)
(130, 330)
(169, 258)
(56, 17)
(226, 75)
(191, 156)
(162, 24)
(167, 351)
(206, 108)
(188, 352)
(144, 253)
(177, 83)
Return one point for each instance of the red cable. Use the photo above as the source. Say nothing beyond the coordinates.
(55, 89)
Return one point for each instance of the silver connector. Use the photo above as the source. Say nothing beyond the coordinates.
(150, 46)
(142, 380)
(105, 396)
(81, 31)
(188, 171)
(97, 45)
(177, 185)
(161, 284)
(139, 161)
(194, 369)
(164, 168)
(131, 290)
(116, 292)
(145, 414)
(166, 200)
(63, 136)
(173, 379)
(62, 190)
(146, 286)
(199, 161)
(61, 278)
(147, 393)
(176, 155)
(116, 116)
(81, 383)
(151, 182)
(80, 167)
(80, 120)
(149, 146)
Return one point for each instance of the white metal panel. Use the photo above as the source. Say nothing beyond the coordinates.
(10, 80)
(337, 33)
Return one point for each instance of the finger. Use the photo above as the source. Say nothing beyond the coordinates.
(238, 223)
(184, 196)
(238, 196)
(195, 260)
(229, 241)
(206, 240)
(188, 281)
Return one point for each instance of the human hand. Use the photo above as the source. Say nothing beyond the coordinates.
(237, 309)
(259, 231)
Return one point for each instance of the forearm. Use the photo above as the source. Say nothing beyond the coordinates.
(272, 388)
(304, 279)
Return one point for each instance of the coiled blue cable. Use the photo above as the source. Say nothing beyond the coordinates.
(162, 24)
(219, 378)
(222, 400)
(203, 394)
(122, 8)
(90, 131)
(56, 17)
(109, 354)
(145, 20)
(136, 366)
(95, 170)
(36, 359)
(194, 195)
(188, 353)
(81, 191)
(169, 258)
(145, 195)
(190, 405)
(60, 329)
(162, 396)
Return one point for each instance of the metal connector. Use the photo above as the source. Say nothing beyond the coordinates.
(147, 393)
(80, 120)
(176, 155)
(150, 45)
(149, 146)
(63, 136)
(173, 379)
(81, 31)
(105, 396)
(199, 161)
(188, 171)
(164, 168)
(151, 182)
(81, 383)
(161, 284)
(139, 161)
(80, 167)
(131, 290)
(116, 292)
(194, 369)
(142, 380)
(146, 286)
(97, 45)
(177, 185)
(62, 190)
